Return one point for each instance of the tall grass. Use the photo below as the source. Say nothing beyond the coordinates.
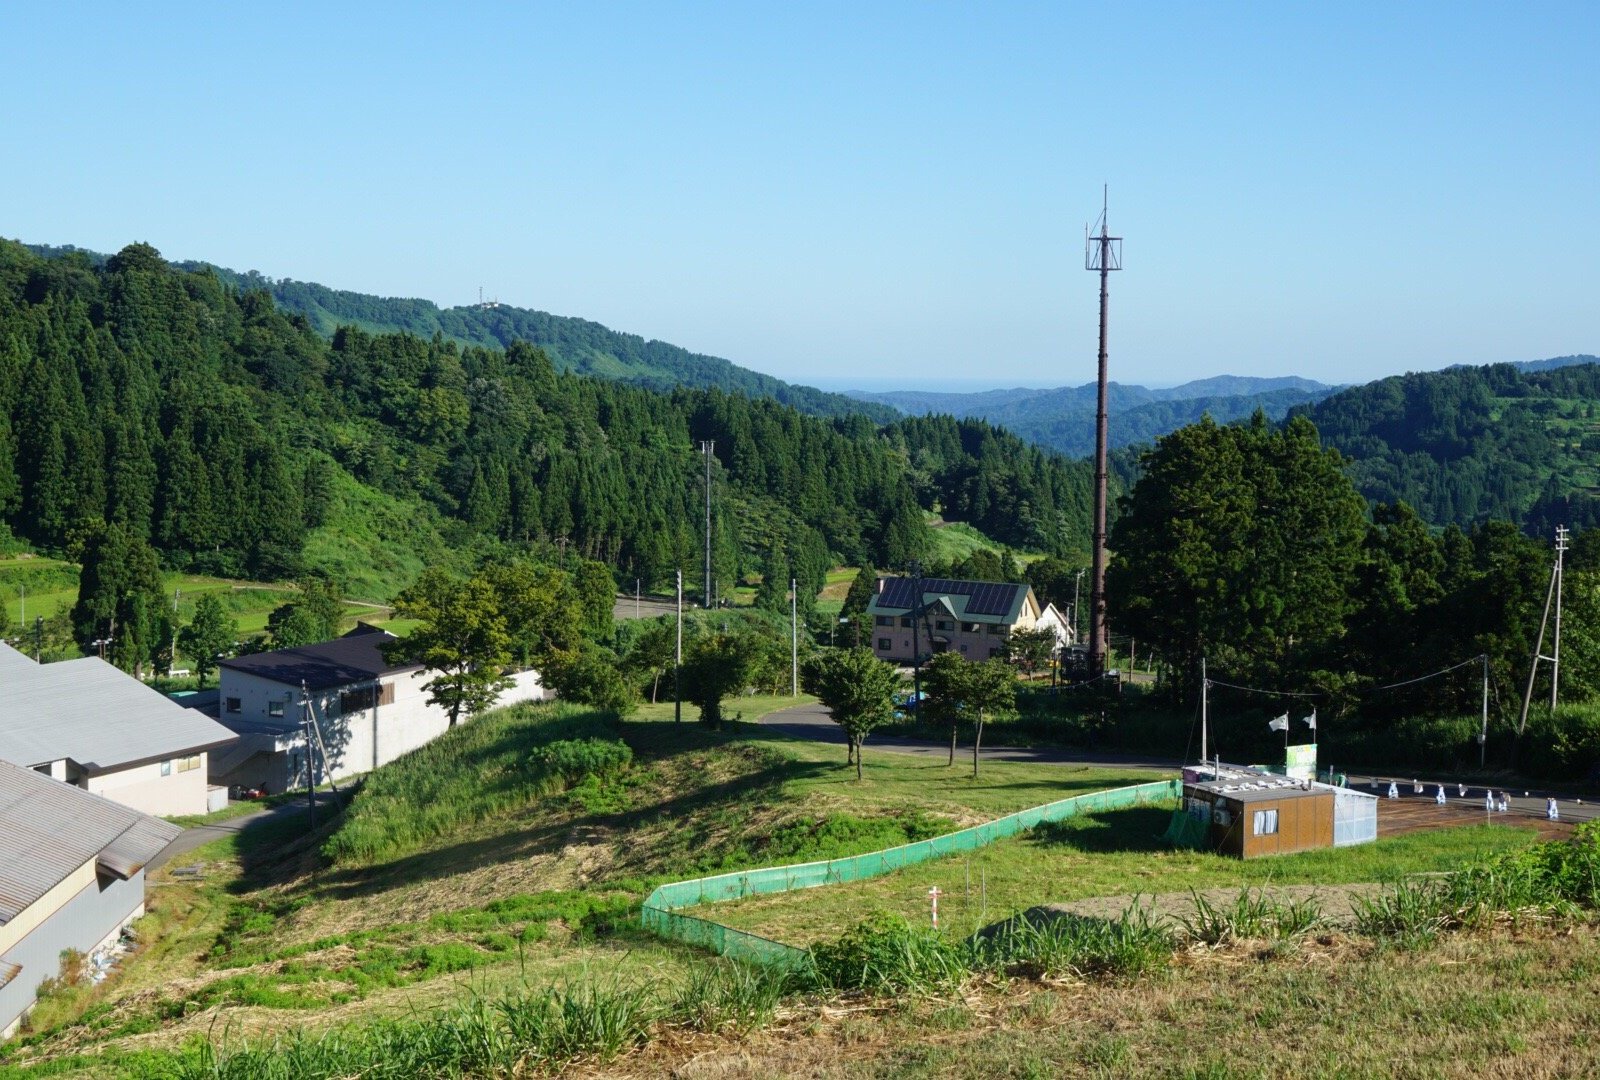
(1253, 916)
(495, 763)
(1044, 946)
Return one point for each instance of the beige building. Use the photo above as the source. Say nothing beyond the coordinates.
(972, 618)
(71, 877)
(88, 724)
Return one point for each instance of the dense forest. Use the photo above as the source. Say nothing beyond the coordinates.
(1505, 442)
(218, 427)
(572, 344)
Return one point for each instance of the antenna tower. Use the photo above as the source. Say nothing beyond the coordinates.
(1102, 252)
(707, 447)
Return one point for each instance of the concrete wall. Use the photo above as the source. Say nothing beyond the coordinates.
(85, 912)
(143, 787)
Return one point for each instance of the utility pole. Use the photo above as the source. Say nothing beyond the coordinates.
(1102, 253)
(1205, 685)
(794, 638)
(635, 598)
(1555, 654)
(677, 660)
(1483, 732)
(706, 448)
(1552, 596)
(1077, 583)
(916, 638)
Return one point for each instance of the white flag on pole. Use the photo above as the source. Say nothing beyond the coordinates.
(1311, 721)
(1279, 723)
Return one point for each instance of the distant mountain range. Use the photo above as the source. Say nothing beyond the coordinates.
(1063, 418)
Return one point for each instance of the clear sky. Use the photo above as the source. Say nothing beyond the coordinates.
(857, 192)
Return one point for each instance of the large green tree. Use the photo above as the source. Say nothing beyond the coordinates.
(209, 635)
(462, 640)
(1239, 544)
(858, 690)
(121, 600)
(962, 691)
(716, 666)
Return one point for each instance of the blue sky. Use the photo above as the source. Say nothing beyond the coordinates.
(854, 192)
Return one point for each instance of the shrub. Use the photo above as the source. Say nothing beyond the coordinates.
(885, 954)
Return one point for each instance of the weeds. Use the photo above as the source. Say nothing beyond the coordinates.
(886, 954)
(1253, 916)
(1046, 945)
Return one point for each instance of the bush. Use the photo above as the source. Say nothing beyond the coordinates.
(885, 954)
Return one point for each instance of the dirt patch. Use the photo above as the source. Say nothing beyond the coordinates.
(1337, 902)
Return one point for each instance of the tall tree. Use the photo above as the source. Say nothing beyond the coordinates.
(209, 635)
(714, 667)
(462, 639)
(858, 690)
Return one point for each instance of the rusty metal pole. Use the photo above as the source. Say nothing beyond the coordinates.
(1102, 256)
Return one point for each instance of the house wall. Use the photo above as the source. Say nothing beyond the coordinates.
(143, 787)
(84, 912)
(1304, 823)
(525, 686)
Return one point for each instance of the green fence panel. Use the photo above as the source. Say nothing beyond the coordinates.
(660, 915)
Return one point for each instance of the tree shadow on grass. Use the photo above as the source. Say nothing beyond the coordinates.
(736, 793)
(1137, 828)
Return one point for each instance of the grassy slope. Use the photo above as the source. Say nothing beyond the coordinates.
(273, 939)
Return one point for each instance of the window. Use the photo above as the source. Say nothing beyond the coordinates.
(972, 627)
(189, 763)
(1266, 822)
(945, 624)
(997, 630)
(232, 704)
(166, 768)
(884, 644)
(386, 693)
(357, 700)
(963, 648)
(884, 620)
(274, 708)
(905, 622)
(995, 650)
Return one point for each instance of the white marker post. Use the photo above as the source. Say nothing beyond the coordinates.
(934, 895)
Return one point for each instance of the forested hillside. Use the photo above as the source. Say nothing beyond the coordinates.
(1062, 419)
(573, 344)
(1504, 442)
(225, 431)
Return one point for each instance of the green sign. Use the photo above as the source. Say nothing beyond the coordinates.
(1300, 762)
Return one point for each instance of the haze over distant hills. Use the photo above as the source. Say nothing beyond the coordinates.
(1063, 418)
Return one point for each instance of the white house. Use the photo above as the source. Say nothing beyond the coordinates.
(368, 710)
(71, 877)
(1051, 618)
(91, 725)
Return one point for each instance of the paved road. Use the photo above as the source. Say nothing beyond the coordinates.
(197, 835)
(812, 722)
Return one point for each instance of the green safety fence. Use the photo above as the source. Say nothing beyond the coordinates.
(662, 917)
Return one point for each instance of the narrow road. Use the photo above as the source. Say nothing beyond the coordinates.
(813, 722)
(195, 836)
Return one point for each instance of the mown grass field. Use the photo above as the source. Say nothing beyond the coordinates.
(527, 882)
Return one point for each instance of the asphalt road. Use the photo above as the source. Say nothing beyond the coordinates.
(812, 722)
(196, 835)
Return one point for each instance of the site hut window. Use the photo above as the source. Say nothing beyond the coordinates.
(1265, 822)
(232, 705)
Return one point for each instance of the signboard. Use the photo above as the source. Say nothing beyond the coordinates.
(1300, 762)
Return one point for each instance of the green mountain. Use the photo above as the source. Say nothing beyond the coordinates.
(237, 440)
(1516, 442)
(573, 344)
(1063, 419)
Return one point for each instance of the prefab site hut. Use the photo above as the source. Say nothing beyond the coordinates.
(1249, 813)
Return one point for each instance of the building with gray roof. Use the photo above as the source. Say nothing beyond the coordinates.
(89, 724)
(71, 877)
(914, 617)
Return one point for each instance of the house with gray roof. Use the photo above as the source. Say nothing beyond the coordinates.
(71, 878)
(924, 616)
(364, 709)
(89, 724)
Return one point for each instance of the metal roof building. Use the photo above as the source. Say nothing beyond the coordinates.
(90, 724)
(71, 877)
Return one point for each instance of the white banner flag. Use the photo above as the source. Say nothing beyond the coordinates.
(1280, 723)
(1311, 721)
